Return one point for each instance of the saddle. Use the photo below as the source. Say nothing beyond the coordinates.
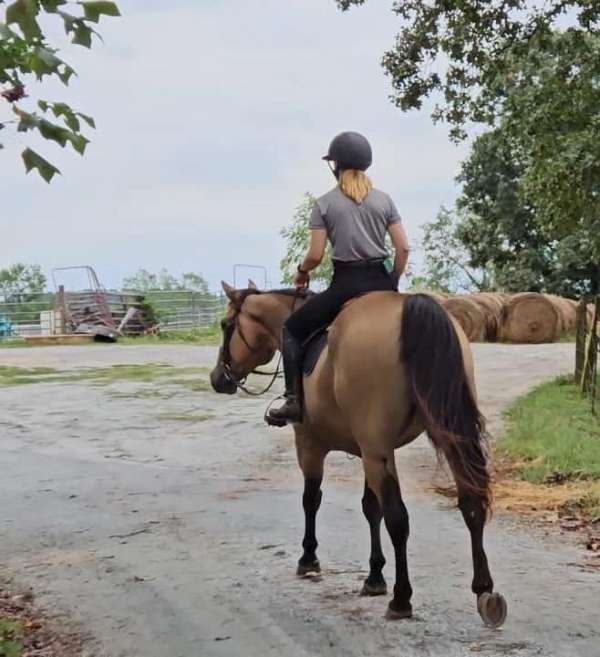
(312, 349)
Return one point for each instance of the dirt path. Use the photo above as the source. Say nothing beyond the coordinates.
(168, 521)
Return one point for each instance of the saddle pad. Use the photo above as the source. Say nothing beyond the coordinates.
(313, 348)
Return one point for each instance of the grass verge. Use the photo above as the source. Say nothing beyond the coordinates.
(552, 439)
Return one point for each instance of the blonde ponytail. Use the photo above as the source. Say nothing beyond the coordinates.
(355, 184)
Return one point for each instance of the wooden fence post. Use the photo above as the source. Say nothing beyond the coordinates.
(590, 365)
(580, 340)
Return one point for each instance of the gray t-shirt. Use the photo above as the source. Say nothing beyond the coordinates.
(356, 232)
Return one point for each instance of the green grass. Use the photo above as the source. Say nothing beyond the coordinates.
(11, 638)
(553, 432)
(143, 373)
(553, 437)
(210, 336)
(19, 375)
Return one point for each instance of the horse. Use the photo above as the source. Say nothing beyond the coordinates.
(394, 365)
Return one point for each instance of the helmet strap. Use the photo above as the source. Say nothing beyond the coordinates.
(335, 170)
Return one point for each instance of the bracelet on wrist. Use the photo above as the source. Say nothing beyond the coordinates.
(304, 272)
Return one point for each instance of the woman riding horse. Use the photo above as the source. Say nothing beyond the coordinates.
(394, 365)
(355, 218)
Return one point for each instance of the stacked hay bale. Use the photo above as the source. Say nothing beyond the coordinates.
(469, 315)
(491, 304)
(567, 309)
(531, 318)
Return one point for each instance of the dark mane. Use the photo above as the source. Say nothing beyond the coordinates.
(291, 292)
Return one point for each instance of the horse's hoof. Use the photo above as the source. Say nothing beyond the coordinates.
(398, 614)
(372, 589)
(492, 608)
(310, 567)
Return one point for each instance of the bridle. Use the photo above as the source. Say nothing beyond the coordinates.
(229, 327)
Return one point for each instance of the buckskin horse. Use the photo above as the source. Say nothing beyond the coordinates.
(394, 366)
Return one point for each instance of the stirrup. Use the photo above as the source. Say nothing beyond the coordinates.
(284, 418)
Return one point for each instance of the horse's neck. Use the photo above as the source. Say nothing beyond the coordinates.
(280, 311)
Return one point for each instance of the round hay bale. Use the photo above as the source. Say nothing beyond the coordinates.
(567, 309)
(469, 315)
(491, 304)
(530, 318)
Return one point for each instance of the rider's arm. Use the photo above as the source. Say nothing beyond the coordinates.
(401, 247)
(316, 250)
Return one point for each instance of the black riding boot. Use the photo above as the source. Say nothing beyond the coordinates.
(291, 411)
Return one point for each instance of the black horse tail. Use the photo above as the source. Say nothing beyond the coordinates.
(431, 353)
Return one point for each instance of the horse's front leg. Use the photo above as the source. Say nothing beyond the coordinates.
(310, 458)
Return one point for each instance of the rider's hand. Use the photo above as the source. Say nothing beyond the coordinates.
(301, 280)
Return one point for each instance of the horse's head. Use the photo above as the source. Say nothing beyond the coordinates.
(249, 339)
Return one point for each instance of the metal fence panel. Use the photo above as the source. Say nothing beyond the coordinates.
(175, 310)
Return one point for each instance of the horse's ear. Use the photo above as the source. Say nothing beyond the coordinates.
(252, 285)
(230, 292)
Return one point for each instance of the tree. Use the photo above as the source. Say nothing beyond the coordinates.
(24, 51)
(463, 51)
(499, 229)
(552, 116)
(145, 281)
(447, 263)
(297, 237)
(19, 282)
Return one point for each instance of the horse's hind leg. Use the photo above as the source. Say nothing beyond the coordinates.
(491, 606)
(383, 480)
(375, 582)
(310, 459)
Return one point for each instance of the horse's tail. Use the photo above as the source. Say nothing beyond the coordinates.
(432, 355)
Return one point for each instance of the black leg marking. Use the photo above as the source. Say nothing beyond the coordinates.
(375, 582)
(474, 513)
(311, 501)
(396, 521)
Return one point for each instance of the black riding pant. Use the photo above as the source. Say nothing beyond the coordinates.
(349, 280)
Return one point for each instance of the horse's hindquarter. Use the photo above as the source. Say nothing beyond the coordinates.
(358, 393)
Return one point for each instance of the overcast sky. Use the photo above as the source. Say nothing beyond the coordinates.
(212, 116)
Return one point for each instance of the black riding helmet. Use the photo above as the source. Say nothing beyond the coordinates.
(350, 150)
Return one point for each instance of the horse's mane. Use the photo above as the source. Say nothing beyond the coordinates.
(291, 292)
(286, 292)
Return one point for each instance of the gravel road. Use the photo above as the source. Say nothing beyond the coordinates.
(168, 522)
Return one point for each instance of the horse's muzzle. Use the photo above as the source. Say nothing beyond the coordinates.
(222, 383)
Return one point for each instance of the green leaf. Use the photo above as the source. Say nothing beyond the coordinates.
(88, 119)
(93, 10)
(51, 6)
(65, 73)
(23, 13)
(44, 62)
(34, 161)
(82, 35)
(27, 121)
(79, 143)
(43, 105)
(54, 132)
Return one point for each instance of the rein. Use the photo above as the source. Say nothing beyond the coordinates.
(229, 330)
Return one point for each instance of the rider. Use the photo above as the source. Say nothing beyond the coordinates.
(355, 218)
